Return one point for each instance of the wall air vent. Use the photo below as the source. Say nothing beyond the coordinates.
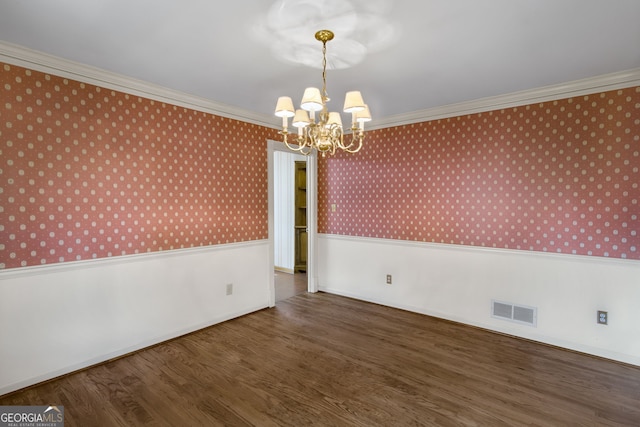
(515, 313)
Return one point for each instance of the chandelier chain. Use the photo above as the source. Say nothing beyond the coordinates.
(324, 71)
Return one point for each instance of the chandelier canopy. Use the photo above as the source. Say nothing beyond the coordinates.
(326, 135)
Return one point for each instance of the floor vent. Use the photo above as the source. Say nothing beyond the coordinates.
(515, 313)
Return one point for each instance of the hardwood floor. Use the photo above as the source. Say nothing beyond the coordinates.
(321, 359)
(288, 285)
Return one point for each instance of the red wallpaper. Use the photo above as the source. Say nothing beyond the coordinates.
(88, 172)
(559, 176)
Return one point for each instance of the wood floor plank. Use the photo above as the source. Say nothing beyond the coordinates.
(321, 359)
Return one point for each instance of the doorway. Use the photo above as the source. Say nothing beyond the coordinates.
(292, 217)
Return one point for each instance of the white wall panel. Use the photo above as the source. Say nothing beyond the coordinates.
(283, 211)
(57, 319)
(459, 282)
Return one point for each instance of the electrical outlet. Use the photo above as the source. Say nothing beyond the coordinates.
(229, 288)
(388, 279)
(603, 317)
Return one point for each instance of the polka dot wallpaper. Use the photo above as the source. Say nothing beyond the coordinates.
(559, 176)
(88, 172)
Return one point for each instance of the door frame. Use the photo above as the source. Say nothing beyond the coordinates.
(312, 217)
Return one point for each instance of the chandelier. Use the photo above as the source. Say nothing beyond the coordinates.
(326, 135)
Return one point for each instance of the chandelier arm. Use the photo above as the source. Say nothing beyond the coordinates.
(356, 140)
(303, 142)
(355, 150)
(347, 147)
(294, 147)
(299, 148)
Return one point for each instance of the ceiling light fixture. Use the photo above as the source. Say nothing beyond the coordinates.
(326, 135)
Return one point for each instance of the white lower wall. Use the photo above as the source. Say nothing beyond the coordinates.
(459, 282)
(57, 319)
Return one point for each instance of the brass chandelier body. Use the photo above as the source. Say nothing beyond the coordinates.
(325, 135)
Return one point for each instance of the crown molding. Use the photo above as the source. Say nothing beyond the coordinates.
(39, 61)
(602, 83)
(23, 57)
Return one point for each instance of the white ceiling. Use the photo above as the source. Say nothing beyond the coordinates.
(404, 55)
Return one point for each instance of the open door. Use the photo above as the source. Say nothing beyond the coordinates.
(300, 214)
